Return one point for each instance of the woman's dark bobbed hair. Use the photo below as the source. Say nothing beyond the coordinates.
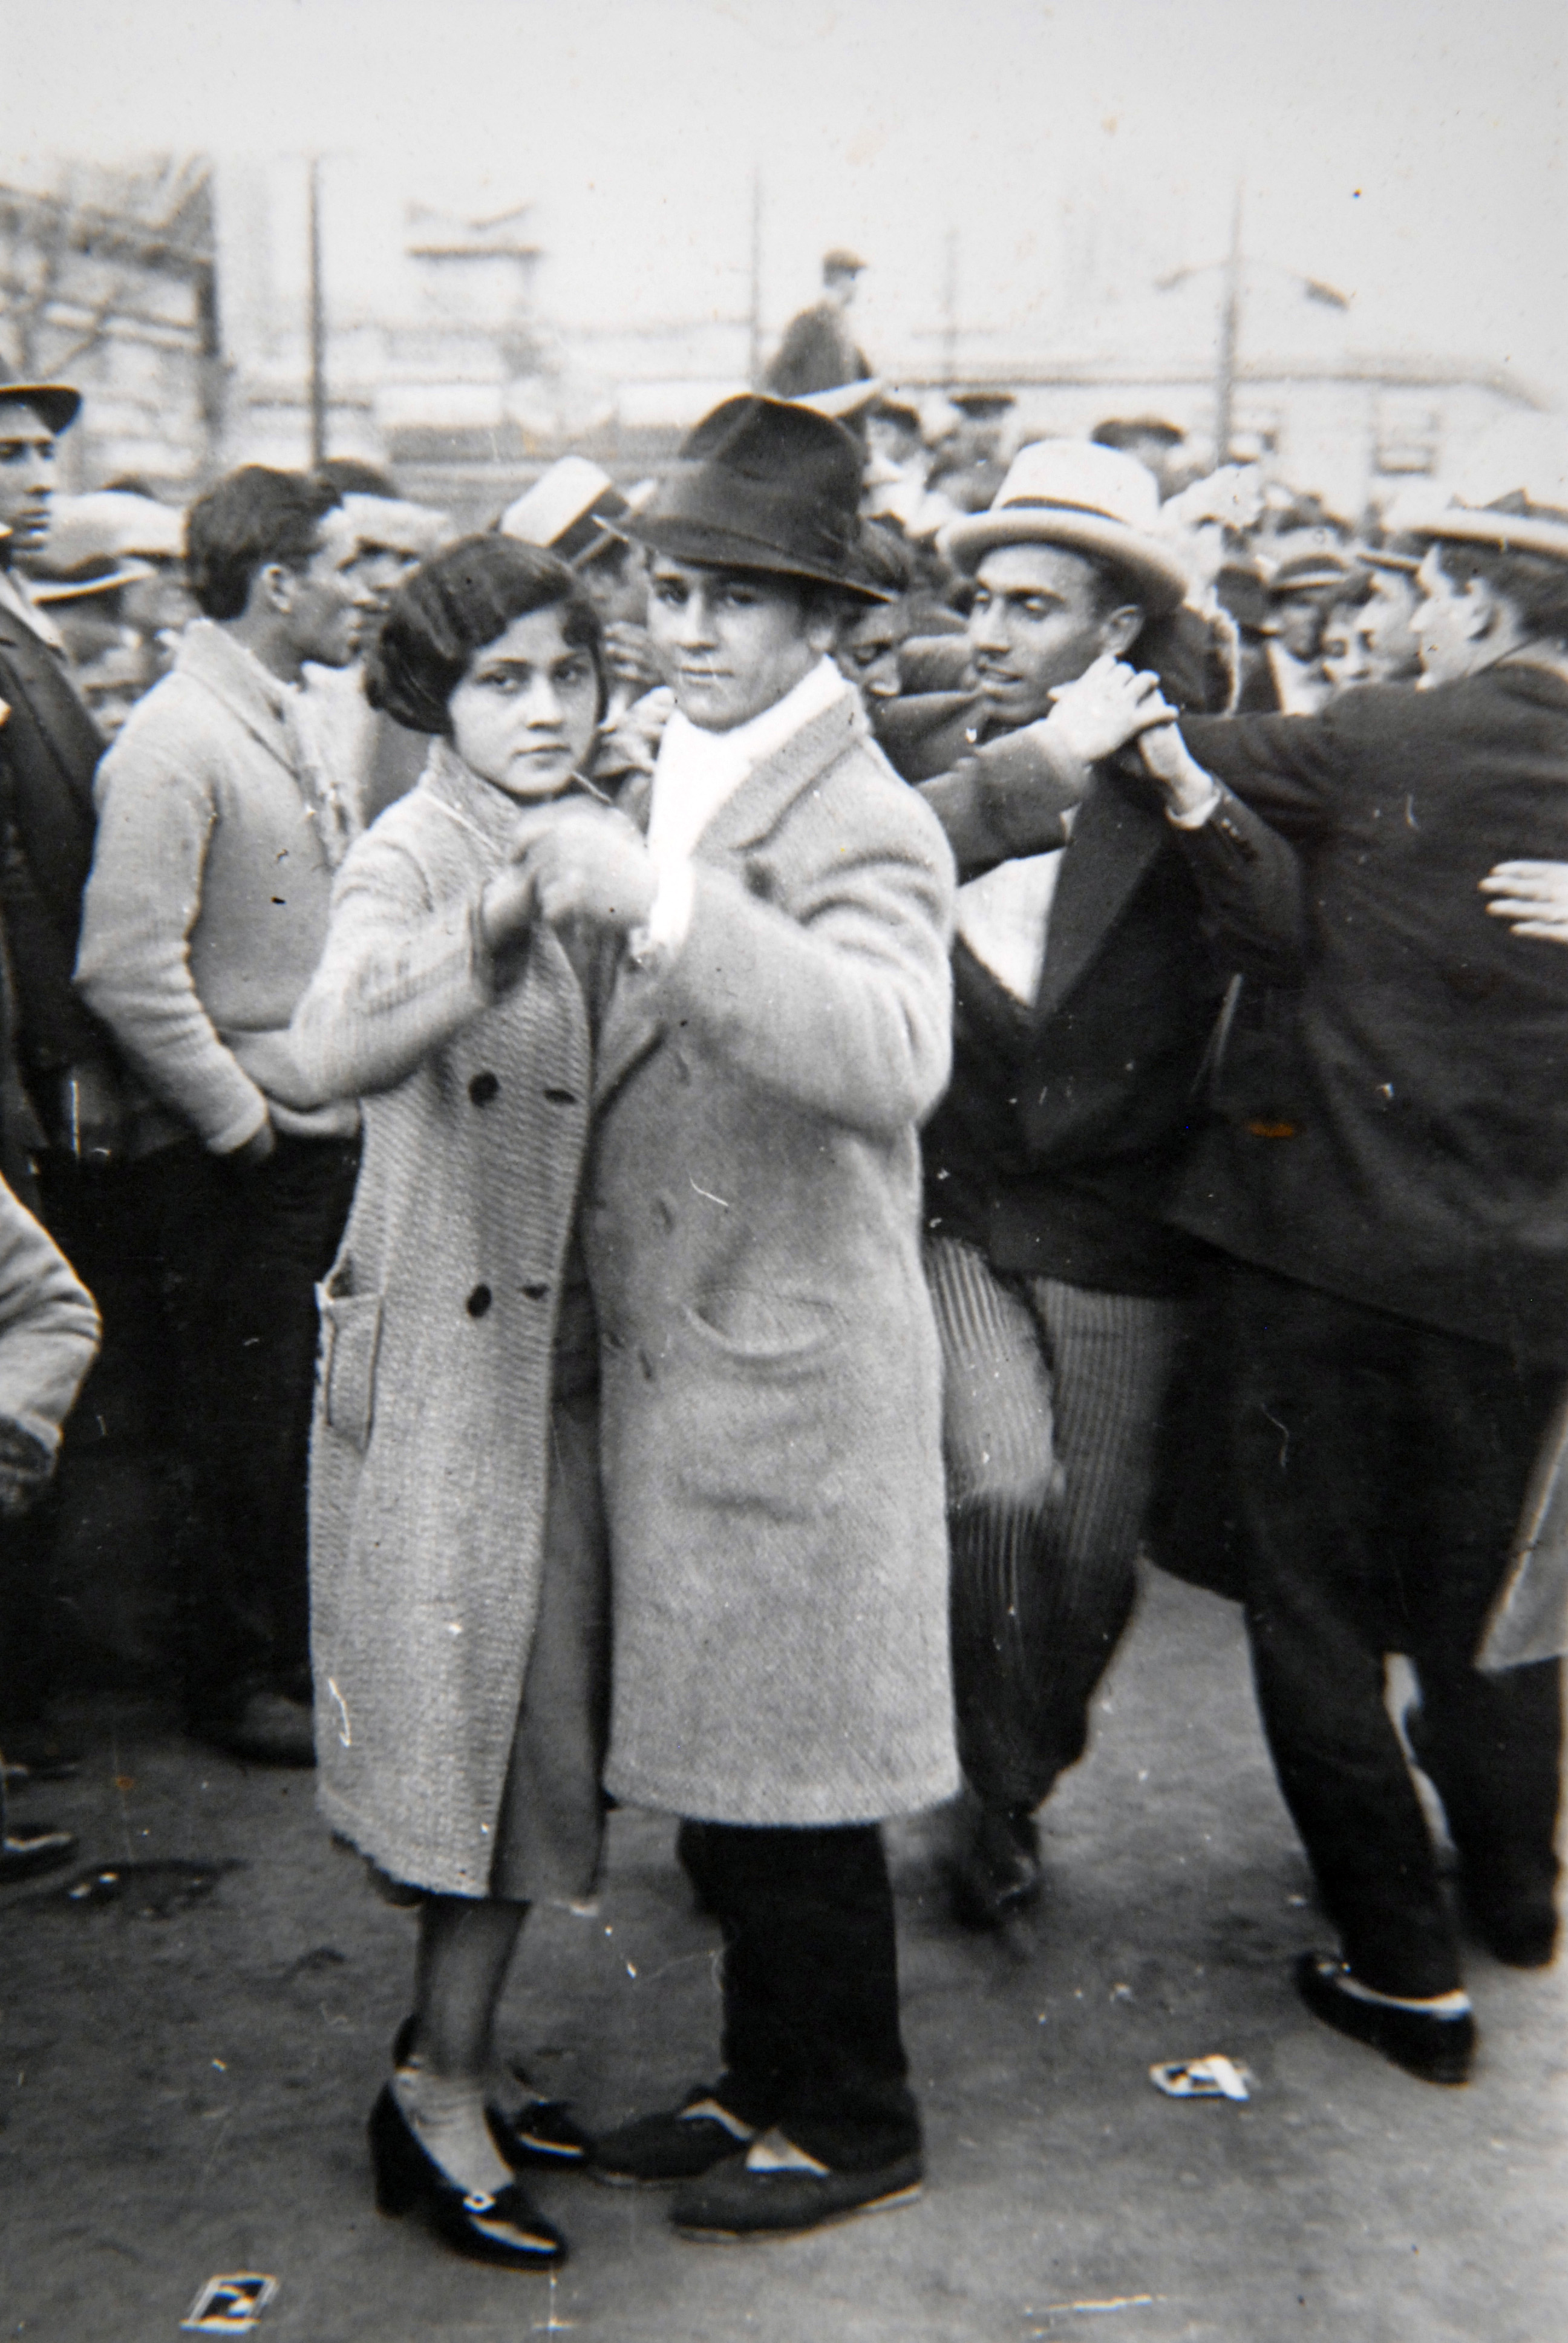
(454, 606)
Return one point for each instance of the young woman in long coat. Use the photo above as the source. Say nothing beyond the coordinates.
(458, 1569)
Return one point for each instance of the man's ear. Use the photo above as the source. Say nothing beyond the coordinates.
(272, 589)
(1484, 611)
(822, 622)
(1122, 629)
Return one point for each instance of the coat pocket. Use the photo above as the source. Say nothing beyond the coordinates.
(350, 1340)
(762, 1404)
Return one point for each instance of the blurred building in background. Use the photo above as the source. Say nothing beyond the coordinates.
(171, 290)
(109, 280)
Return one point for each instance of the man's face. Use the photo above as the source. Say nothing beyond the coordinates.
(615, 583)
(868, 651)
(1449, 625)
(1343, 656)
(378, 570)
(26, 475)
(1386, 626)
(1297, 622)
(840, 286)
(1039, 619)
(329, 603)
(732, 641)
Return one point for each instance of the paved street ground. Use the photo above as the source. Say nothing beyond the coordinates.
(184, 2094)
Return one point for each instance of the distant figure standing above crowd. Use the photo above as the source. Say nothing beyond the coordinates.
(818, 352)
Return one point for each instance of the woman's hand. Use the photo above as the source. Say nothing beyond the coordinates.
(1532, 897)
(585, 862)
(505, 907)
(1107, 706)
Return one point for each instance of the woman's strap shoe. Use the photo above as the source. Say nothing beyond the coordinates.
(537, 2132)
(504, 2230)
(1438, 2049)
(29, 1849)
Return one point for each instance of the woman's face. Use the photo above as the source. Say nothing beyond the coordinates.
(523, 717)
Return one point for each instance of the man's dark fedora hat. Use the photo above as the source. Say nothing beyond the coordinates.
(762, 484)
(56, 403)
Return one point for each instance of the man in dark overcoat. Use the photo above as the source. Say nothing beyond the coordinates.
(1393, 1197)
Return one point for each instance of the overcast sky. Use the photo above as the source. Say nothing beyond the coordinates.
(1410, 151)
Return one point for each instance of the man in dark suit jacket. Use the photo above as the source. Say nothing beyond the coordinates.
(49, 750)
(1086, 991)
(1392, 1186)
(63, 1114)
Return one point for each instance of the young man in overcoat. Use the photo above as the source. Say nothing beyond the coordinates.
(770, 1385)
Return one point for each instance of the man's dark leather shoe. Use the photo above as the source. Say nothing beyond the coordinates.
(999, 1874)
(736, 2202)
(678, 2144)
(29, 1849)
(1437, 2049)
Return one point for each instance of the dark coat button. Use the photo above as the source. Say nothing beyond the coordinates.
(480, 1300)
(536, 1293)
(663, 1212)
(562, 1097)
(483, 1088)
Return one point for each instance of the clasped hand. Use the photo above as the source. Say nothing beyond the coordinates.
(1108, 705)
(569, 863)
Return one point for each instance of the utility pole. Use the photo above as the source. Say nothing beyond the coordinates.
(754, 310)
(950, 308)
(318, 324)
(1229, 331)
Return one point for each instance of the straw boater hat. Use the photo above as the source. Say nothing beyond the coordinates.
(574, 510)
(1323, 574)
(1513, 523)
(762, 484)
(113, 522)
(1093, 500)
(56, 403)
(98, 575)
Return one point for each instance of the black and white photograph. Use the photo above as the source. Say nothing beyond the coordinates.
(783, 1170)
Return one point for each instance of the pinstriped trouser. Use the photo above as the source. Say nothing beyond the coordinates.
(1052, 1405)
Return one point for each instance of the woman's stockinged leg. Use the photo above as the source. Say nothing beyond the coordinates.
(464, 1950)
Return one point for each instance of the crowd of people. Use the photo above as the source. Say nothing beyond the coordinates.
(706, 1109)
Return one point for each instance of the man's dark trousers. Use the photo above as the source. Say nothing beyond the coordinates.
(1381, 1467)
(240, 1249)
(812, 2039)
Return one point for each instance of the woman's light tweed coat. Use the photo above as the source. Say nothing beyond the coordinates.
(429, 1458)
(770, 1398)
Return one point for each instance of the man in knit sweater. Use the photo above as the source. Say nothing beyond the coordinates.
(205, 915)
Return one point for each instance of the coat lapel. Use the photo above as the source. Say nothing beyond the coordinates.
(33, 673)
(633, 1025)
(1114, 840)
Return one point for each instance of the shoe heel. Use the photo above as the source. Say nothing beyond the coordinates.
(397, 2181)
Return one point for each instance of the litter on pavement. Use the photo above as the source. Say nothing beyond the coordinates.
(1215, 2077)
(230, 2305)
